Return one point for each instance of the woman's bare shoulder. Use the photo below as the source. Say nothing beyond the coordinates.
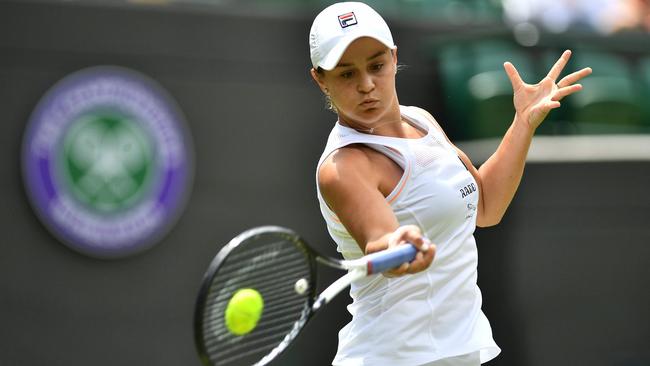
(346, 164)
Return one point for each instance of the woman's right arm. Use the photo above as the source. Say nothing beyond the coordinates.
(349, 182)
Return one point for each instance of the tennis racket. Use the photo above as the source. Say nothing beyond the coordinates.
(278, 264)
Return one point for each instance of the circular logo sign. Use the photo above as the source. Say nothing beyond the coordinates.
(107, 161)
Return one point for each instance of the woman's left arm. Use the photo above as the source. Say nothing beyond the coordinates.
(499, 177)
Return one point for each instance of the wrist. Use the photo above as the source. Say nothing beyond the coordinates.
(521, 124)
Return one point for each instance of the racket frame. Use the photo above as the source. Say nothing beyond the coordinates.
(357, 268)
(219, 259)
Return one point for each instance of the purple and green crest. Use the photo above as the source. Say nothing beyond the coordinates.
(107, 161)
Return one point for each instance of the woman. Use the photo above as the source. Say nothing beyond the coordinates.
(389, 175)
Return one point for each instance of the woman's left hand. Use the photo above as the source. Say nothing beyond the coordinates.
(534, 102)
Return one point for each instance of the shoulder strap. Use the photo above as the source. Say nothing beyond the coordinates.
(342, 136)
(439, 134)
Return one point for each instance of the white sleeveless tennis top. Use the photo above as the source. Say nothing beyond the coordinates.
(435, 314)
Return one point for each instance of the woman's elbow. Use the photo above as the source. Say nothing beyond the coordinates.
(488, 220)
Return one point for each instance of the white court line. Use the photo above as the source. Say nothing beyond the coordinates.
(547, 149)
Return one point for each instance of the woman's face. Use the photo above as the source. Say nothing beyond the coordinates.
(362, 85)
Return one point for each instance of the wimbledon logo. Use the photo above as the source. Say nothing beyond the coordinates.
(107, 161)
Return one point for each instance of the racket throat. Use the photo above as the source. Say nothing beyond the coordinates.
(337, 286)
(318, 303)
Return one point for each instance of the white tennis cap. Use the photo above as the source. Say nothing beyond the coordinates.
(340, 24)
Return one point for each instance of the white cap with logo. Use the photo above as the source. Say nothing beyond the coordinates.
(339, 25)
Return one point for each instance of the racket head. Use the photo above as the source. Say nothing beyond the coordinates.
(269, 259)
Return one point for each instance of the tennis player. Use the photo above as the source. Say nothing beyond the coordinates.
(389, 175)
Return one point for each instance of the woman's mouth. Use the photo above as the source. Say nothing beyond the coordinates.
(368, 103)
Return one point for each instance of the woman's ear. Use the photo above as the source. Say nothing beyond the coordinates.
(318, 79)
(394, 52)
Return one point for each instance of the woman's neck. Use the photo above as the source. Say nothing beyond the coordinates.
(383, 128)
(389, 125)
(396, 127)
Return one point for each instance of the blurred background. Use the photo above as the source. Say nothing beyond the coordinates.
(565, 276)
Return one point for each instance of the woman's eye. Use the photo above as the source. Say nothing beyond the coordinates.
(346, 75)
(377, 67)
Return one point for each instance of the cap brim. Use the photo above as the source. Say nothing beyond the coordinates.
(329, 62)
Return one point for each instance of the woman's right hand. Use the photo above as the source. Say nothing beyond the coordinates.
(413, 235)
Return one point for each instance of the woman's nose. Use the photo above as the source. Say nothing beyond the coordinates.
(366, 83)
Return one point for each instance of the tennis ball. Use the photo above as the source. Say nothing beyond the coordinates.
(243, 312)
(301, 286)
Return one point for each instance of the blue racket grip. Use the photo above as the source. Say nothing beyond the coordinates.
(390, 258)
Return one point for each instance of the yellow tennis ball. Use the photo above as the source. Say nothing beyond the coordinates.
(243, 312)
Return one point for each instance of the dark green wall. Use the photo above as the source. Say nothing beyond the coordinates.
(564, 277)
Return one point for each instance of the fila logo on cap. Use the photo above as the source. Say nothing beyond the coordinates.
(347, 19)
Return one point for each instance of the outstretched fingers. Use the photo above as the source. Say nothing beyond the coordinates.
(574, 77)
(567, 90)
(556, 70)
(513, 75)
(536, 101)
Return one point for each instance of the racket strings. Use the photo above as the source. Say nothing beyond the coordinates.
(261, 344)
(269, 282)
(271, 265)
(283, 312)
(277, 318)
